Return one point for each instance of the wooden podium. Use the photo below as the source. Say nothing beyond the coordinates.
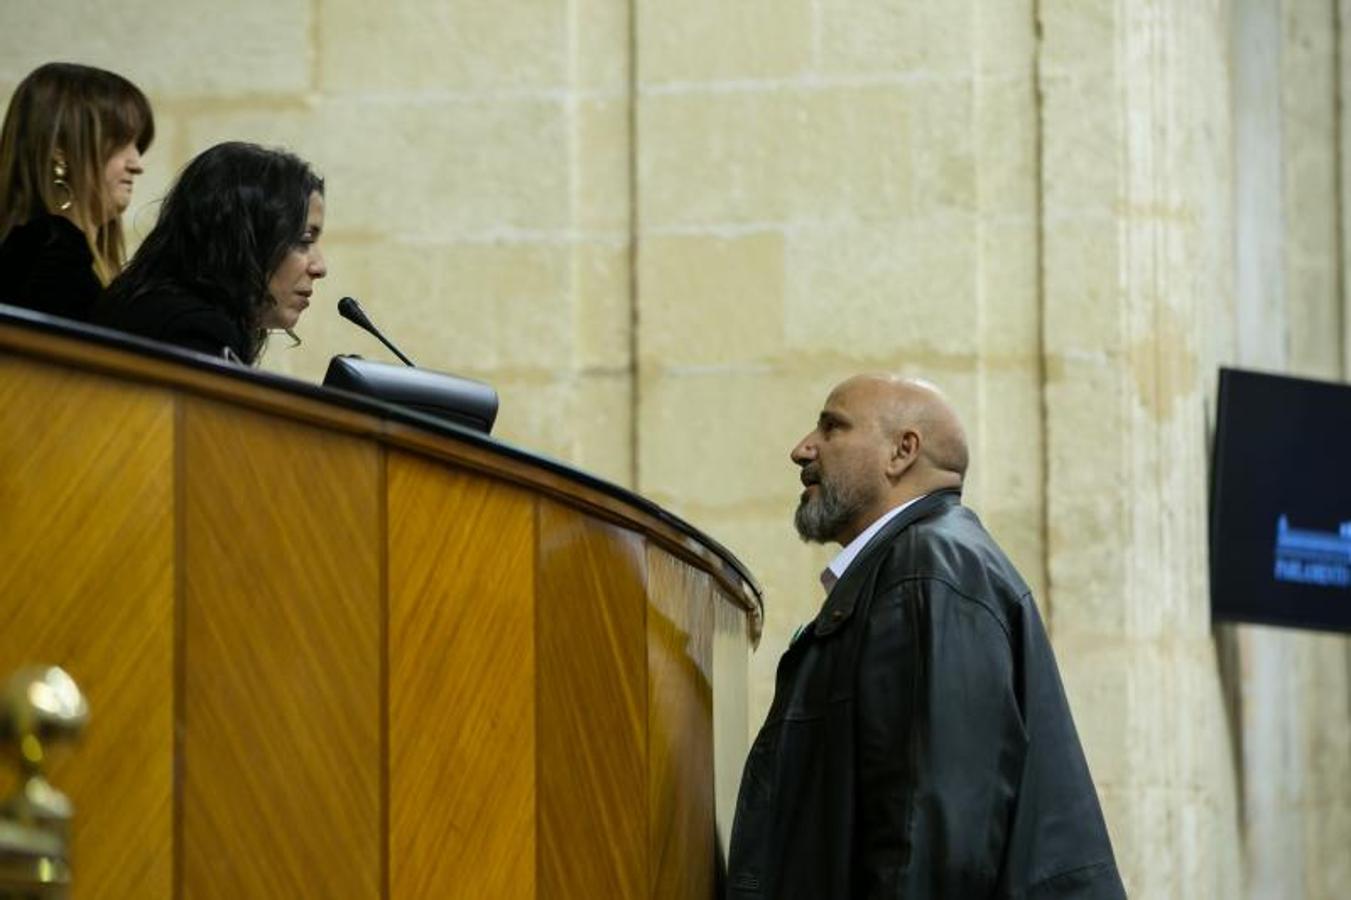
(336, 650)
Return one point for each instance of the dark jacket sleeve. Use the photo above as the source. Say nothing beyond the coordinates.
(940, 743)
(1059, 847)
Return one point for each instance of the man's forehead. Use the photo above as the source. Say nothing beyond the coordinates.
(859, 389)
(853, 398)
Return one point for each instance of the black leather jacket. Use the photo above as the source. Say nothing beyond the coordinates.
(920, 743)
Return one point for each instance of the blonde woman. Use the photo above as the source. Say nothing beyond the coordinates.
(70, 151)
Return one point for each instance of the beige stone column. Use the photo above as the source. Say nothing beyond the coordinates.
(1136, 172)
(1291, 687)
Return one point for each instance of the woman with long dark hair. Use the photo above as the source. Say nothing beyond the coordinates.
(233, 255)
(70, 149)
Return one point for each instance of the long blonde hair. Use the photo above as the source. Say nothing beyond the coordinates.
(85, 115)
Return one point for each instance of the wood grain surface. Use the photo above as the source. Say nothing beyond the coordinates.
(462, 684)
(86, 582)
(269, 393)
(372, 662)
(283, 633)
(567, 489)
(681, 840)
(731, 702)
(591, 640)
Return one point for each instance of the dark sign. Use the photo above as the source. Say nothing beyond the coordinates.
(1280, 523)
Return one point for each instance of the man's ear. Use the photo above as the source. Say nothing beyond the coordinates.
(904, 453)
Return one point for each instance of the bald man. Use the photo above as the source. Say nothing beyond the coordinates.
(919, 743)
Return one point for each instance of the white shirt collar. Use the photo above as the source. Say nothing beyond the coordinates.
(835, 570)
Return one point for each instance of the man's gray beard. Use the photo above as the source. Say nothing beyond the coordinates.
(824, 515)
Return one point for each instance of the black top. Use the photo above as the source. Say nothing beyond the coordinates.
(176, 317)
(46, 265)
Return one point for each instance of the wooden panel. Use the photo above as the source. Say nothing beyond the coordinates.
(280, 396)
(87, 582)
(680, 728)
(731, 702)
(592, 718)
(462, 684)
(283, 634)
(556, 484)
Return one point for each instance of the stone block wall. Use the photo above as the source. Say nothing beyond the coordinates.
(851, 189)
(664, 231)
(477, 168)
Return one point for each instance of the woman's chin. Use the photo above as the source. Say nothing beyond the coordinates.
(117, 206)
(281, 322)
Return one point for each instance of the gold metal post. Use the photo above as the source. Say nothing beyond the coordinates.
(39, 706)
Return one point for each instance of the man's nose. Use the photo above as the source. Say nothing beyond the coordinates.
(804, 452)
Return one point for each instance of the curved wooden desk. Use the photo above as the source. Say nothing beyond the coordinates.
(334, 649)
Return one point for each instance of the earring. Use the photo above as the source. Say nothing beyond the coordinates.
(59, 181)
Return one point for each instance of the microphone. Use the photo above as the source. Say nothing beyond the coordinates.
(351, 310)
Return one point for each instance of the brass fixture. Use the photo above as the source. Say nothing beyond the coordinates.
(39, 706)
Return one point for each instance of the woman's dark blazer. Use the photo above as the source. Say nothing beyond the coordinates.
(46, 265)
(175, 316)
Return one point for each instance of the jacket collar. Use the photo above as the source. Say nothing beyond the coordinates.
(839, 605)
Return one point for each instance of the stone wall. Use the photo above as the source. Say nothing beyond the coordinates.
(855, 189)
(1136, 179)
(665, 230)
(477, 170)
(1291, 691)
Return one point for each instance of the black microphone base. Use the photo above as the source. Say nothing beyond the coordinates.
(464, 401)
